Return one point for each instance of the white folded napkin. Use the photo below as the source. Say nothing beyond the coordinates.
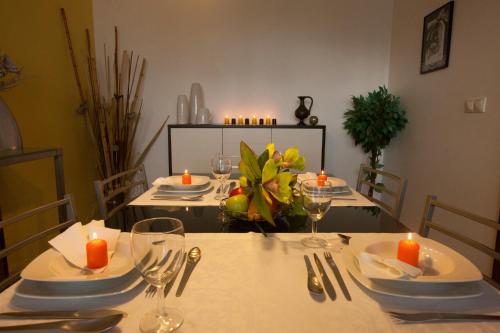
(72, 242)
(374, 266)
(160, 181)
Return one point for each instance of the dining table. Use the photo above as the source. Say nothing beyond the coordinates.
(248, 281)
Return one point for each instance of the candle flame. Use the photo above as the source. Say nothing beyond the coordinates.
(322, 172)
(409, 236)
(94, 235)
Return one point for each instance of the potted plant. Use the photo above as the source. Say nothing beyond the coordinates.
(373, 122)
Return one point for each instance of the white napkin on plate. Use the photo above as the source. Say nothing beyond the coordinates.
(72, 242)
(373, 266)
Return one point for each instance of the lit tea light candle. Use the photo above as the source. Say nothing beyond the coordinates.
(97, 252)
(240, 120)
(322, 178)
(186, 178)
(408, 251)
(268, 120)
(226, 120)
(254, 120)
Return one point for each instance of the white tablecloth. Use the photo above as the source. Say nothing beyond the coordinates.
(146, 199)
(249, 283)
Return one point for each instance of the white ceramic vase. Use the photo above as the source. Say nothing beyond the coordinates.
(197, 102)
(182, 109)
(203, 117)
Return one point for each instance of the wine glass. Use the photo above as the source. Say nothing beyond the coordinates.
(221, 169)
(157, 246)
(316, 199)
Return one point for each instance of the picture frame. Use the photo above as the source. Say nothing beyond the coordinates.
(436, 39)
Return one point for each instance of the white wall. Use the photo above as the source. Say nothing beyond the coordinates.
(254, 57)
(444, 151)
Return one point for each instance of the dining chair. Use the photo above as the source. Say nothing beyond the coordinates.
(66, 203)
(116, 192)
(369, 182)
(427, 224)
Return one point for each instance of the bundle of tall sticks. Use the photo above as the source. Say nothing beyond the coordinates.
(113, 116)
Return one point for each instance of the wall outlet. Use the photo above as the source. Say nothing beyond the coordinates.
(475, 105)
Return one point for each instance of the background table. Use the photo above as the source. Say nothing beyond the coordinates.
(249, 283)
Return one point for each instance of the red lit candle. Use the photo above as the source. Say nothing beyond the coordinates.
(408, 251)
(322, 178)
(186, 178)
(97, 253)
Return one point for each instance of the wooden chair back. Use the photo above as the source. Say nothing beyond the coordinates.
(427, 224)
(116, 192)
(66, 203)
(396, 194)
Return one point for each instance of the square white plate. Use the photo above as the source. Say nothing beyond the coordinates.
(406, 288)
(448, 266)
(175, 182)
(51, 266)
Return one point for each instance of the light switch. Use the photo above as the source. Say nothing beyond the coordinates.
(480, 105)
(475, 105)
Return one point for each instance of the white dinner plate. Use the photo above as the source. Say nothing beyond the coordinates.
(175, 182)
(448, 266)
(408, 289)
(79, 290)
(160, 191)
(51, 266)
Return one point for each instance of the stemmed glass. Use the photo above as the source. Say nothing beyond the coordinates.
(157, 246)
(221, 169)
(316, 199)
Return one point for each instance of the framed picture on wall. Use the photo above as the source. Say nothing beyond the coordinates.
(436, 39)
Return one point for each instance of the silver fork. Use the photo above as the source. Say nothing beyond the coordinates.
(151, 290)
(436, 316)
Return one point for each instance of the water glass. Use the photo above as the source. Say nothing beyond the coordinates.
(221, 169)
(316, 199)
(157, 247)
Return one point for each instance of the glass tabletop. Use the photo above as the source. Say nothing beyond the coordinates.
(338, 219)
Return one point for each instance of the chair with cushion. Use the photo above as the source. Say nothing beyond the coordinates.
(116, 192)
(368, 185)
(66, 204)
(427, 224)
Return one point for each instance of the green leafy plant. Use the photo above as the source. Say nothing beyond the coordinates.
(373, 122)
(268, 183)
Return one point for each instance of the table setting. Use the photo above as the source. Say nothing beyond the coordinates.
(160, 278)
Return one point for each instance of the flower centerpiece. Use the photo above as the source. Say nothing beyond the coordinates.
(266, 187)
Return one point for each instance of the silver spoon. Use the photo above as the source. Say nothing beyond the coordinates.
(313, 283)
(194, 255)
(81, 325)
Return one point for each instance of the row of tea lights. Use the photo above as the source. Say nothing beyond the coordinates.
(247, 121)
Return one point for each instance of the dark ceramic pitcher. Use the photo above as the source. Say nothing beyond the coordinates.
(302, 111)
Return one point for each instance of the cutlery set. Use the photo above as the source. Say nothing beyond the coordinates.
(193, 256)
(313, 283)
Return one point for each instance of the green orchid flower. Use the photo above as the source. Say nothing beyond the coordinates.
(292, 160)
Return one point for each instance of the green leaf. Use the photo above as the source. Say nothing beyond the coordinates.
(284, 193)
(262, 206)
(247, 172)
(269, 171)
(263, 158)
(379, 187)
(249, 158)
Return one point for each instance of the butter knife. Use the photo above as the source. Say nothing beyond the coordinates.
(84, 314)
(169, 285)
(326, 281)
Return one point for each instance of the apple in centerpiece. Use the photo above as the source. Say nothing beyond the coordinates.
(236, 191)
(237, 203)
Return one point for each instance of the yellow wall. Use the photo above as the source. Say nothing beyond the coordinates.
(44, 104)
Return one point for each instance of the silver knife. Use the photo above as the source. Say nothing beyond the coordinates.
(338, 276)
(190, 264)
(326, 281)
(84, 314)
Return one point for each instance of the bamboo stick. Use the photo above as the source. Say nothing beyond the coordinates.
(83, 101)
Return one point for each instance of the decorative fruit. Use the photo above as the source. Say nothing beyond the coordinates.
(236, 191)
(237, 203)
